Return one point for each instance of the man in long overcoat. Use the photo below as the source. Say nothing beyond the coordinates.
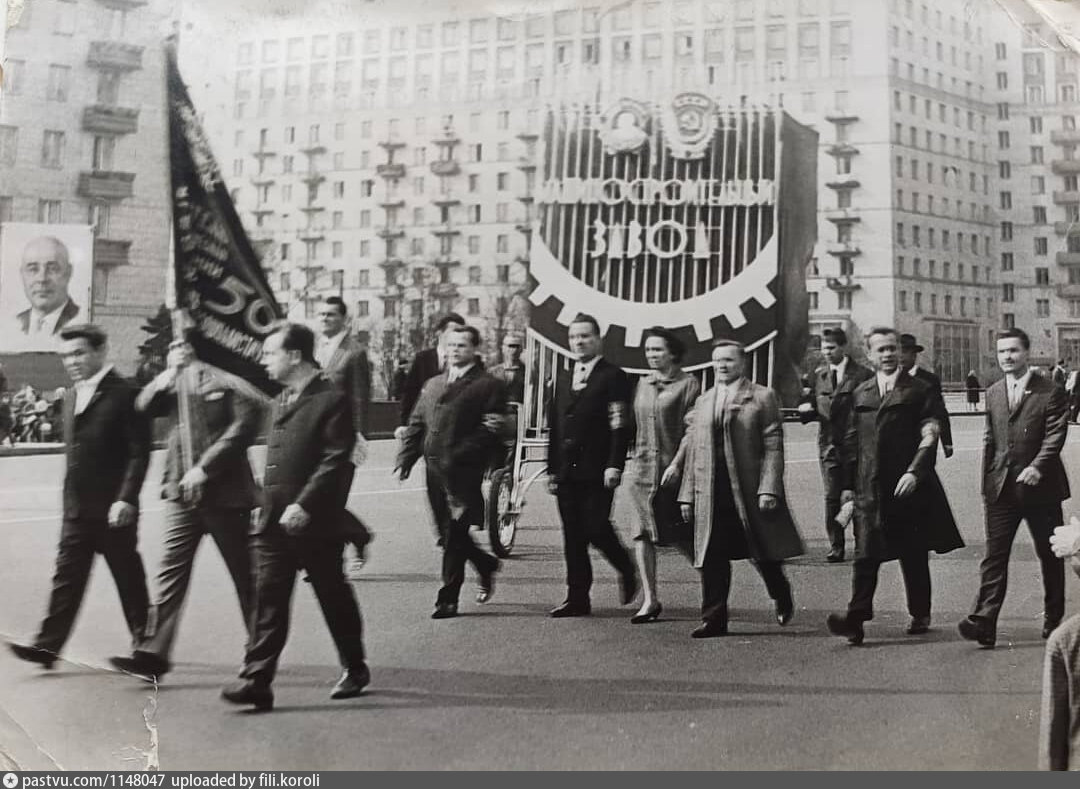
(901, 512)
(733, 490)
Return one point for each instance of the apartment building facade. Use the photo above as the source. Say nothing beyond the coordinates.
(83, 141)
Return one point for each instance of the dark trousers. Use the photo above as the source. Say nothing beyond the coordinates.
(80, 540)
(830, 477)
(455, 513)
(915, 567)
(184, 530)
(275, 560)
(716, 582)
(1002, 522)
(585, 511)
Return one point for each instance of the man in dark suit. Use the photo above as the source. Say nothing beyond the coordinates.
(588, 435)
(888, 453)
(305, 486)
(456, 426)
(830, 404)
(426, 364)
(345, 362)
(909, 352)
(1027, 420)
(207, 486)
(107, 452)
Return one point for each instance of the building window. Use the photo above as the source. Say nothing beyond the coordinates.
(103, 153)
(1042, 276)
(14, 71)
(9, 143)
(1042, 308)
(473, 307)
(1008, 292)
(1039, 213)
(1041, 245)
(50, 212)
(52, 149)
(1038, 187)
(1006, 261)
(1006, 231)
(59, 83)
(1036, 154)
(474, 275)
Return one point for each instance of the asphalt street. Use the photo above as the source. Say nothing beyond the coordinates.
(505, 687)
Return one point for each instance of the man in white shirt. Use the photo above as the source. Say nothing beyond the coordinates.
(46, 272)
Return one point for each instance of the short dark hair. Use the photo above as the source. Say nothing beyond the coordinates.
(723, 342)
(447, 319)
(337, 301)
(1019, 334)
(582, 317)
(838, 336)
(472, 331)
(881, 330)
(297, 337)
(94, 335)
(675, 346)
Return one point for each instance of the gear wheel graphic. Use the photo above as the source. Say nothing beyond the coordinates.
(553, 280)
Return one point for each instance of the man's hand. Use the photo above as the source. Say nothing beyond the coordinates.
(948, 450)
(294, 519)
(191, 486)
(399, 432)
(906, 485)
(846, 496)
(401, 473)
(360, 450)
(1065, 541)
(165, 379)
(178, 357)
(687, 512)
(767, 502)
(122, 515)
(612, 478)
(670, 477)
(1029, 476)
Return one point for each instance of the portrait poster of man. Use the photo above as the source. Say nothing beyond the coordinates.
(45, 278)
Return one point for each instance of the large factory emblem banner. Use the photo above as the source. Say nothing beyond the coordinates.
(46, 274)
(685, 214)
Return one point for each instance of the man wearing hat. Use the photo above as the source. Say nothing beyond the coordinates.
(828, 404)
(909, 351)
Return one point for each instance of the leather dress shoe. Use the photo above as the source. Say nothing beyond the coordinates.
(651, 615)
(976, 630)
(486, 589)
(843, 625)
(142, 664)
(834, 556)
(351, 683)
(628, 587)
(785, 610)
(246, 691)
(709, 630)
(918, 625)
(1049, 626)
(42, 657)
(444, 611)
(569, 609)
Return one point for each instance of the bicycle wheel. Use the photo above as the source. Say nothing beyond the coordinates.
(501, 522)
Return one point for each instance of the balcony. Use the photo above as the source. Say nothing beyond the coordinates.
(843, 216)
(1065, 198)
(262, 180)
(841, 149)
(391, 263)
(527, 197)
(445, 289)
(527, 135)
(445, 167)
(524, 227)
(390, 203)
(103, 119)
(106, 185)
(843, 248)
(1068, 258)
(844, 284)
(446, 200)
(111, 252)
(115, 55)
(1067, 228)
(312, 179)
(1065, 137)
(390, 170)
(837, 115)
(262, 154)
(311, 234)
(313, 150)
(312, 209)
(526, 163)
(1065, 166)
(447, 261)
(447, 138)
(1070, 291)
(391, 143)
(262, 213)
(844, 182)
(123, 5)
(387, 233)
(445, 229)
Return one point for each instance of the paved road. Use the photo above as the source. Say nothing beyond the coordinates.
(504, 686)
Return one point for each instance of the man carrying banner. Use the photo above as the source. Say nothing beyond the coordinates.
(207, 486)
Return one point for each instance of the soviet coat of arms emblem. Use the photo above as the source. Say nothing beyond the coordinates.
(689, 124)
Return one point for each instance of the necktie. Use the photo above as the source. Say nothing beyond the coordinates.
(833, 378)
(1014, 396)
